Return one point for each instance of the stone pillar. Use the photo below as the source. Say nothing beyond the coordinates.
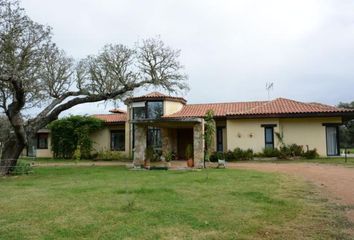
(166, 143)
(140, 145)
(198, 144)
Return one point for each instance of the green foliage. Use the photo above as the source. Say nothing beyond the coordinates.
(220, 155)
(346, 132)
(112, 155)
(169, 156)
(189, 151)
(270, 152)
(311, 154)
(235, 155)
(209, 133)
(72, 133)
(21, 168)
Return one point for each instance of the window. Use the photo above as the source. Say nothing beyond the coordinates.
(42, 141)
(118, 140)
(269, 137)
(219, 139)
(139, 112)
(154, 137)
(154, 109)
(332, 140)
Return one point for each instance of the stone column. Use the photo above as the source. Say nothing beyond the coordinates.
(165, 138)
(140, 145)
(198, 144)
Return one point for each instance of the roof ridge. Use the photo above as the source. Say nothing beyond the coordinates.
(215, 103)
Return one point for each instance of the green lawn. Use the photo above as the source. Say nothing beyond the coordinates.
(115, 203)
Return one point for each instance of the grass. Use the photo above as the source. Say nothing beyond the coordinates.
(115, 203)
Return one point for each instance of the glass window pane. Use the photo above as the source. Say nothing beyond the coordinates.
(269, 135)
(42, 141)
(118, 140)
(332, 144)
(154, 137)
(154, 110)
(138, 113)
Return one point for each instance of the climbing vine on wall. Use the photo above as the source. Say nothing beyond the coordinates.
(71, 136)
(209, 133)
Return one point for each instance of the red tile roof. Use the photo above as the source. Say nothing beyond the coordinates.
(155, 96)
(220, 109)
(278, 106)
(112, 118)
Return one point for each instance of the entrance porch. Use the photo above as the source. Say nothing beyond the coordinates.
(175, 135)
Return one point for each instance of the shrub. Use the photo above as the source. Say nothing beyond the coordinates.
(220, 155)
(284, 152)
(270, 152)
(310, 154)
(296, 150)
(238, 154)
(213, 157)
(112, 155)
(21, 168)
(189, 151)
(229, 156)
(169, 156)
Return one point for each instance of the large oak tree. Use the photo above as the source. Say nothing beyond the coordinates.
(36, 74)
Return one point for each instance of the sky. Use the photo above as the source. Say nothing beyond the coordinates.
(230, 48)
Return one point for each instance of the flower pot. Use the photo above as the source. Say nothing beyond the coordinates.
(190, 162)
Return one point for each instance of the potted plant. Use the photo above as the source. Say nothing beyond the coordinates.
(189, 155)
(168, 156)
(149, 156)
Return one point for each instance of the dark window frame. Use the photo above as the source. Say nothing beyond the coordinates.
(152, 129)
(46, 140)
(219, 139)
(336, 126)
(122, 131)
(267, 143)
(145, 117)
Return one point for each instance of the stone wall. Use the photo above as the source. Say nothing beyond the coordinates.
(198, 144)
(140, 145)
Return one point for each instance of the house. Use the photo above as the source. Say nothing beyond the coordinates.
(168, 123)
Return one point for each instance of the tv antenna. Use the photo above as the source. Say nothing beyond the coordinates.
(269, 87)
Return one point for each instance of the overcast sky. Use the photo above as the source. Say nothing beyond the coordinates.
(230, 49)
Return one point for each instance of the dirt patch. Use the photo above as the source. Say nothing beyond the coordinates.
(336, 182)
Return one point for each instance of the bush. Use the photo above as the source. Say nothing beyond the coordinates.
(296, 150)
(236, 154)
(270, 152)
(229, 156)
(21, 168)
(289, 151)
(220, 155)
(112, 155)
(213, 157)
(310, 154)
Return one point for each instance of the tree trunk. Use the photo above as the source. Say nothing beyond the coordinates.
(11, 153)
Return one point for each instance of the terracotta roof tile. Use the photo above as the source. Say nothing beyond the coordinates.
(277, 106)
(112, 118)
(155, 95)
(220, 109)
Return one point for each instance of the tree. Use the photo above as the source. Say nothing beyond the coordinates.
(4, 131)
(36, 75)
(346, 133)
(73, 133)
